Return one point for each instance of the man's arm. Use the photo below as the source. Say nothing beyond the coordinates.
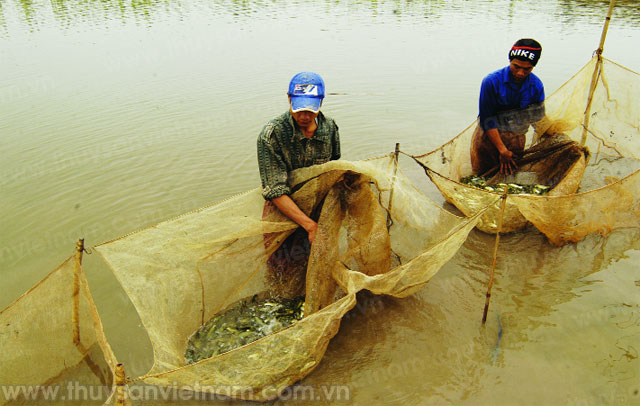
(488, 121)
(290, 209)
(335, 141)
(539, 120)
(273, 175)
(488, 105)
(507, 164)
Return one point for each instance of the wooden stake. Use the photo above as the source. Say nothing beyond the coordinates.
(596, 73)
(75, 317)
(121, 389)
(603, 37)
(393, 181)
(495, 256)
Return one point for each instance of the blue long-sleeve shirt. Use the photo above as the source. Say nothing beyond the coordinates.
(500, 94)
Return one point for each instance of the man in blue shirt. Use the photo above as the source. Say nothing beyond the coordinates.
(511, 99)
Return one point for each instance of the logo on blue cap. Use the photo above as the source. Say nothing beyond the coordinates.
(305, 90)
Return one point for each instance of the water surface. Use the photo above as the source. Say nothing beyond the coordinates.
(117, 115)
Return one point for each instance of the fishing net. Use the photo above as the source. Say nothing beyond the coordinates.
(376, 232)
(53, 347)
(606, 123)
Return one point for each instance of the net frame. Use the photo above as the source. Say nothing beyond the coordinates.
(59, 307)
(213, 268)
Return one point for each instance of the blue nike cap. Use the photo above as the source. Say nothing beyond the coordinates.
(307, 91)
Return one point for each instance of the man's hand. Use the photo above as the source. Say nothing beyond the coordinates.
(290, 209)
(507, 164)
(311, 229)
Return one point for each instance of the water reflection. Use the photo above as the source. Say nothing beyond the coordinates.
(3, 23)
(69, 13)
(28, 10)
(625, 10)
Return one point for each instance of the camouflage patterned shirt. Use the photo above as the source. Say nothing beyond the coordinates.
(282, 148)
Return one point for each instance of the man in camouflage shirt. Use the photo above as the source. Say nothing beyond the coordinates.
(301, 137)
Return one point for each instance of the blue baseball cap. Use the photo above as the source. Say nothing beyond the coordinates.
(307, 91)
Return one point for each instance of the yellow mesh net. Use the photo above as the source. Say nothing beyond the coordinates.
(607, 123)
(182, 272)
(53, 345)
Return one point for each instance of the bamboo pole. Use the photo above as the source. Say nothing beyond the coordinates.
(121, 389)
(75, 317)
(596, 72)
(603, 37)
(393, 182)
(495, 256)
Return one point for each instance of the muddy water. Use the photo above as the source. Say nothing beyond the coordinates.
(117, 115)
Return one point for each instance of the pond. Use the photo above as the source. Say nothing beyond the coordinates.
(117, 115)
